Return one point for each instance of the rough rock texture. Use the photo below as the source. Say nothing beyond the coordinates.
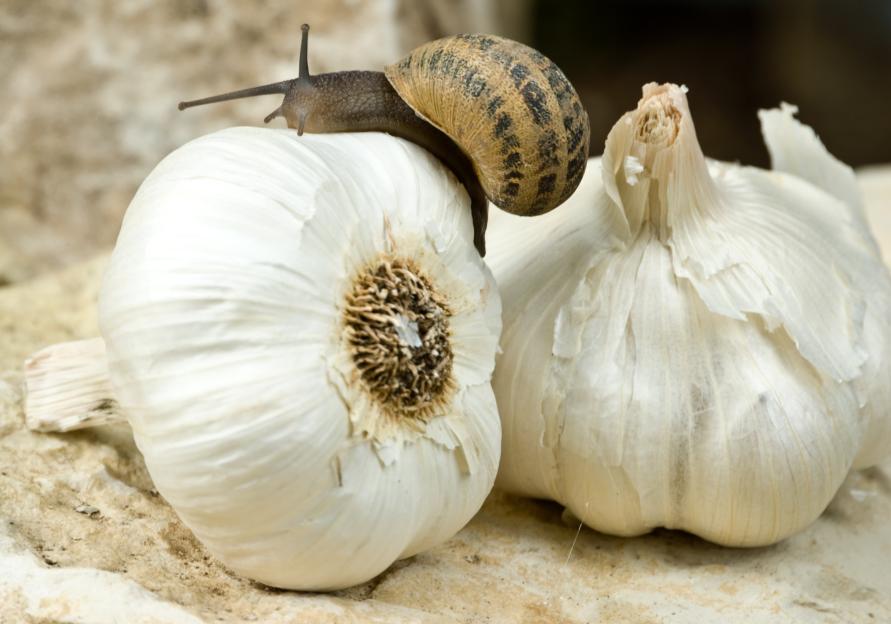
(88, 104)
(84, 537)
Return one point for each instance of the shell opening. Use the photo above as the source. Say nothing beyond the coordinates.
(397, 329)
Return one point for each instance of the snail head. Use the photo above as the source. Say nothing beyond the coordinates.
(297, 92)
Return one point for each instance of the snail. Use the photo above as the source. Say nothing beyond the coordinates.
(499, 114)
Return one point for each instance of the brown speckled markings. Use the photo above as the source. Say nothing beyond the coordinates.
(509, 108)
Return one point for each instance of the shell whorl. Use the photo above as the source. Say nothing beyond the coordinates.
(509, 108)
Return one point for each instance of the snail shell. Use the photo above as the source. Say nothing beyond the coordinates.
(509, 108)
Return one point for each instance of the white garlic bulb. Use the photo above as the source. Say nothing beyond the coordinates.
(302, 335)
(694, 344)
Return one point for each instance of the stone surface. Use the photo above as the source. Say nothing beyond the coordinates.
(84, 537)
(90, 88)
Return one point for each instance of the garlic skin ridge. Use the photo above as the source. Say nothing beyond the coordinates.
(694, 344)
(222, 314)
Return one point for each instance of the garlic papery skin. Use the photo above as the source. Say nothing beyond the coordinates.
(693, 344)
(253, 270)
(875, 183)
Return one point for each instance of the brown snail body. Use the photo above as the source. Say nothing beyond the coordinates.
(499, 114)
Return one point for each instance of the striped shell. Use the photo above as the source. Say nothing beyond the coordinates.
(509, 108)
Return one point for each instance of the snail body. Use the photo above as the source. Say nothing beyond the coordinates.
(500, 115)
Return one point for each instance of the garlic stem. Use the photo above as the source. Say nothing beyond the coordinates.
(68, 388)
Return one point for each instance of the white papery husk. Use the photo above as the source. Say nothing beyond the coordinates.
(875, 182)
(222, 315)
(694, 344)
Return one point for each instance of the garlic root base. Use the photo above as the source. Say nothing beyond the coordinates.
(68, 388)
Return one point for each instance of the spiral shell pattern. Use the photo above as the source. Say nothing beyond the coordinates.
(510, 109)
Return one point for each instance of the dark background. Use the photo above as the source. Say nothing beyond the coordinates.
(831, 58)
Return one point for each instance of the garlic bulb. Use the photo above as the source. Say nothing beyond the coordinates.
(302, 335)
(694, 344)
